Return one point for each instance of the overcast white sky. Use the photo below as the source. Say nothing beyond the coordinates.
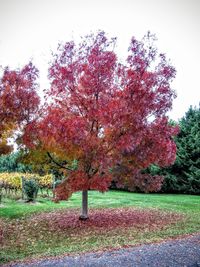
(30, 29)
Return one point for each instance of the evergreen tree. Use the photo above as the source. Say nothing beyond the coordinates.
(11, 163)
(184, 175)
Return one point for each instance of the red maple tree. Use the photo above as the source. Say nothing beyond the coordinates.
(105, 113)
(18, 101)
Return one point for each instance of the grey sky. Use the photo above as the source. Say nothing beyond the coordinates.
(31, 28)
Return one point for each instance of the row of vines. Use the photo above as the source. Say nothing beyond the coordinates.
(12, 183)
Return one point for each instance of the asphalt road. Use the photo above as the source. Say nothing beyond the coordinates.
(174, 253)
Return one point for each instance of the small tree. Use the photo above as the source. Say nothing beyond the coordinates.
(102, 113)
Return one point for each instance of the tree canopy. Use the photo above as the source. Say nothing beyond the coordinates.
(103, 113)
(18, 101)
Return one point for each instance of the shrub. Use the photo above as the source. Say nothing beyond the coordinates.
(31, 189)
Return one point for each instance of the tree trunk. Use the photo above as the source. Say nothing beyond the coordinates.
(54, 186)
(22, 188)
(84, 212)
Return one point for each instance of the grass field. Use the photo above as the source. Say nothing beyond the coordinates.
(46, 228)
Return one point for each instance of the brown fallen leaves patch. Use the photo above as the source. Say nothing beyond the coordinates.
(59, 225)
(62, 230)
(107, 218)
(2, 227)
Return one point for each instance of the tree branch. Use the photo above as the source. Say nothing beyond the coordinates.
(57, 163)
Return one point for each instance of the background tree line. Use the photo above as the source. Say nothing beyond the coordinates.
(184, 175)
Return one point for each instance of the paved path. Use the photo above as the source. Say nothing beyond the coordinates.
(173, 253)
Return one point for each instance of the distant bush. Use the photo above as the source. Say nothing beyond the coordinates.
(30, 189)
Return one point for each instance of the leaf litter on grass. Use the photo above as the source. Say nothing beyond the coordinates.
(99, 219)
(107, 219)
(104, 227)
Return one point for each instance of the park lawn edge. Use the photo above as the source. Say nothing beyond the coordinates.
(40, 257)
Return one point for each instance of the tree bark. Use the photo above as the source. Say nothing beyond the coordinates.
(84, 211)
(22, 187)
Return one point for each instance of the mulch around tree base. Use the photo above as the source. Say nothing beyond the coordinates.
(173, 253)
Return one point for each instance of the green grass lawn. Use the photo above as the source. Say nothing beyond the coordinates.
(37, 240)
(180, 203)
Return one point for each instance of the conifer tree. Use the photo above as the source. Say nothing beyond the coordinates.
(184, 175)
